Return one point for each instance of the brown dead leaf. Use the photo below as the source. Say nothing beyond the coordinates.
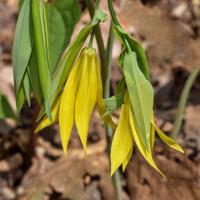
(67, 178)
(182, 181)
(191, 128)
(167, 40)
(11, 163)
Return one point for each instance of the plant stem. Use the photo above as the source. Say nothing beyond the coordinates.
(116, 22)
(112, 12)
(99, 38)
(91, 40)
(109, 50)
(182, 102)
(106, 61)
(106, 85)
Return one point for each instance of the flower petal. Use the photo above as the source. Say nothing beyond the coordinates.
(152, 137)
(126, 161)
(122, 141)
(45, 121)
(100, 102)
(168, 141)
(86, 97)
(67, 104)
(138, 140)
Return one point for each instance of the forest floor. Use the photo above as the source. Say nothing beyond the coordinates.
(33, 167)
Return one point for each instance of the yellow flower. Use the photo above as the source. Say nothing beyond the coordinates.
(82, 91)
(127, 134)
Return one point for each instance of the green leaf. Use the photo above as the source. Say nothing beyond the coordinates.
(114, 102)
(22, 46)
(121, 86)
(42, 50)
(62, 15)
(99, 15)
(26, 87)
(6, 110)
(135, 47)
(20, 100)
(141, 95)
(34, 77)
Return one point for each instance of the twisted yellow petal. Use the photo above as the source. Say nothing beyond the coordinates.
(122, 141)
(45, 121)
(86, 97)
(67, 104)
(167, 140)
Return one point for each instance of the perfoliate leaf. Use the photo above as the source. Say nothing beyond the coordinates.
(114, 102)
(22, 47)
(6, 110)
(105, 115)
(135, 47)
(42, 50)
(141, 96)
(62, 15)
(99, 16)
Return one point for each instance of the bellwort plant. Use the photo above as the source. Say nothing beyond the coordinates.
(69, 85)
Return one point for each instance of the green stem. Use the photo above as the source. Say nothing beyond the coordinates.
(99, 38)
(112, 12)
(182, 102)
(91, 40)
(97, 3)
(106, 85)
(116, 22)
(109, 50)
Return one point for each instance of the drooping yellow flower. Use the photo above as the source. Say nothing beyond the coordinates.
(82, 91)
(127, 134)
